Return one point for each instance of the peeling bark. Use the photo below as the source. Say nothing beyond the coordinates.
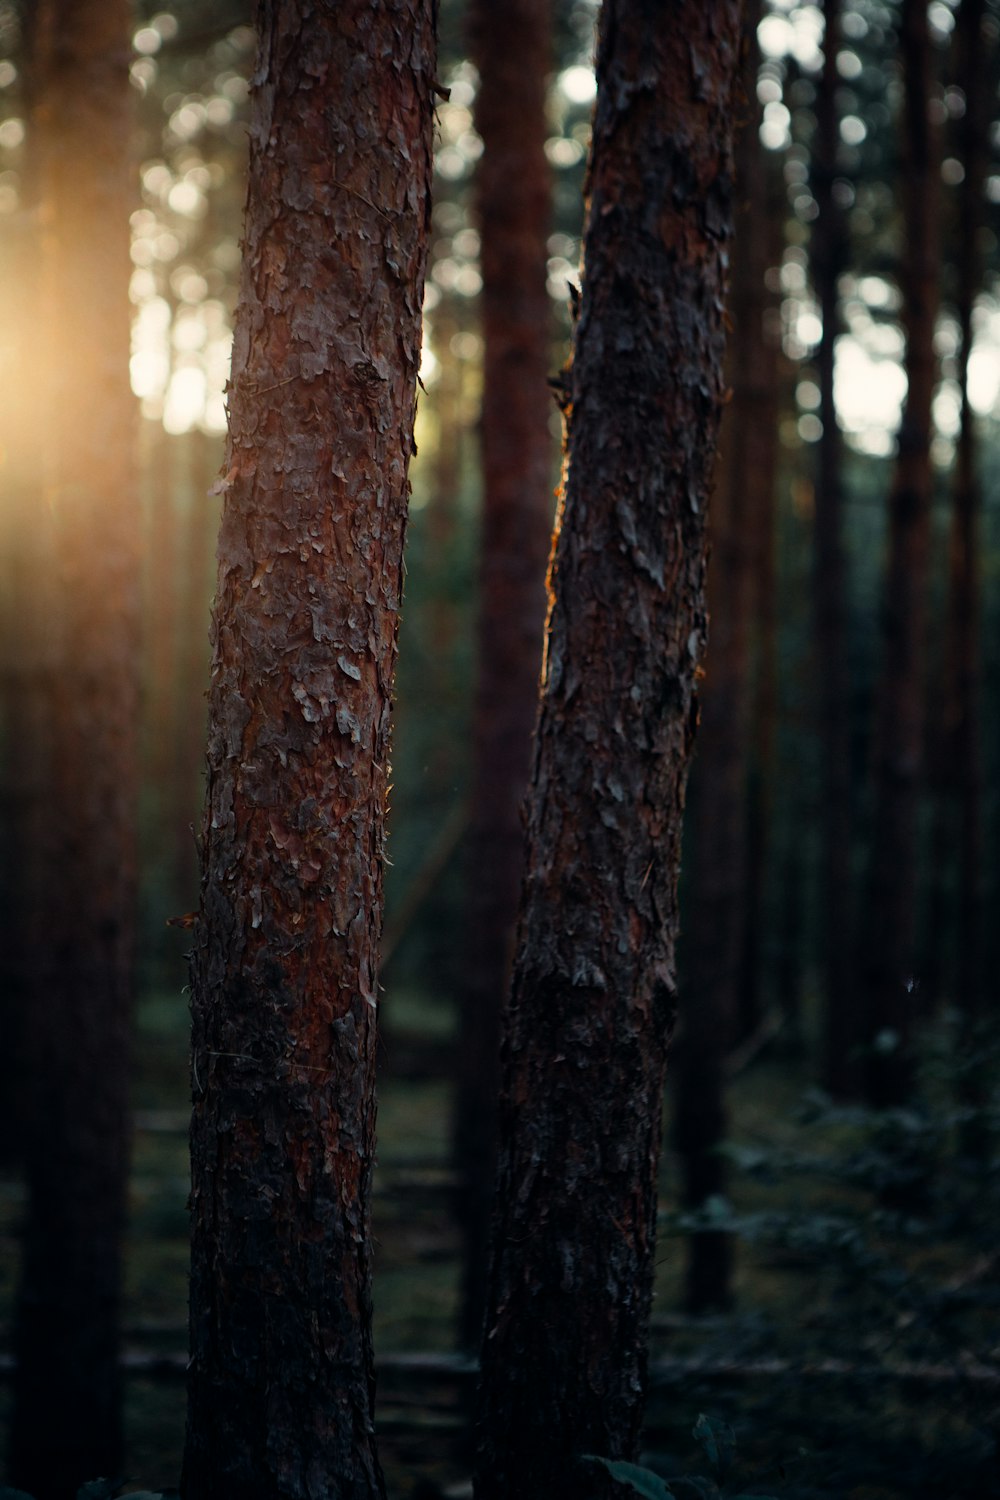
(511, 45)
(284, 968)
(592, 1007)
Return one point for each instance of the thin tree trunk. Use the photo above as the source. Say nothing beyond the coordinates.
(442, 507)
(887, 953)
(715, 834)
(756, 970)
(186, 785)
(82, 934)
(963, 770)
(284, 970)
(161, 611)
(829, 257)
(593, 994)
(512, 45)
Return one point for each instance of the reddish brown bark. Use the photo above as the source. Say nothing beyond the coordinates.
(284, 972)
(887, 951)
(715, 834)
(841, 1028)
(82, 931)
(593, 993)
(511, 44)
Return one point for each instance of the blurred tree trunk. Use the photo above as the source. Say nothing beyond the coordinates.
(66, 1424)
(888, 928)
(161, 611)
(715, 834)
(592, 1007)
(961, 782)
(512, 47)
(187, 787)
(284, 969)
(756, 966)
(828, 253)
(442, 508)
(26, 624)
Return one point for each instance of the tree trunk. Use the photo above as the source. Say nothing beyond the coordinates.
(284, 969)
(715, 835)
(593, 993)
(887, 954)
(200, 465)
(829, 256)
(82, 931)
(962, 790)
(757, 970)
(25, 629)
(511, 45)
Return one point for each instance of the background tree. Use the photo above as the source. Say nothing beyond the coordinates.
(829, 258)
(81, 928)
(511, 44)
(888, 935)
(284, 972)
(715, 890)
(962, 778)
(593, 995)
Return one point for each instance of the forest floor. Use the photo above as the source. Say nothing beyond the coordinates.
(860, 1359)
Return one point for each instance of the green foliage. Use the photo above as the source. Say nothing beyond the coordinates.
(642, 1481)
(716, 1439)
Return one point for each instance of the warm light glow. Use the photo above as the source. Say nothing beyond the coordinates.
(184, 406)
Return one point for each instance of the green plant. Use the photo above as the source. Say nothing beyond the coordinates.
(717, 1441)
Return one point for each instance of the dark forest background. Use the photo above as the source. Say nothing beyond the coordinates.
(827, 1272)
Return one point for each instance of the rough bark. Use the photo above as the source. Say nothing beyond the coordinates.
(715, 832)
(887, 950)
(511, 45)
(81, 930)
(962, 790)
(593, 995)
(829, 256)
(284, 968)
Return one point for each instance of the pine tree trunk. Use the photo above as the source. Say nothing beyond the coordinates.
(758, 944)
(186, 789)
(963, 770)
(593, 993)
(511, 45)
(284, 970)
(829, 256)
(82, 929)
(887, 955)
(715, 834)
